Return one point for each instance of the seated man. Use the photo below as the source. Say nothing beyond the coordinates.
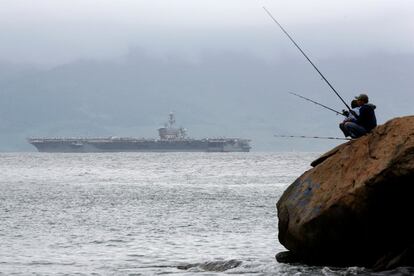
(364, 122)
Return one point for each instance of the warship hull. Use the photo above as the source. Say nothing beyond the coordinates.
(171, 139)
(139, 145)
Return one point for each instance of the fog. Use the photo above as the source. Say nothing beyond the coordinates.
(106, 68)
(54, 32)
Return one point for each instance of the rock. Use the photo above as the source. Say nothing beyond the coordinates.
(288, 257)
(220, 266)
(217, 266)
(395, 259)
(356, 205)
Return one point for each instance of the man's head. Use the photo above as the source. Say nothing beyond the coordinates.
(362, 99)
(354, 103)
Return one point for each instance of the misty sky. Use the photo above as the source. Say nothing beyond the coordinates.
(51, 32)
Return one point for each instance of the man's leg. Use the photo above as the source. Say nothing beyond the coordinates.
(355, 130)
(344, 130)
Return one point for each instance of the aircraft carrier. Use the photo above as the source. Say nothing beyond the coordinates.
(171, 139)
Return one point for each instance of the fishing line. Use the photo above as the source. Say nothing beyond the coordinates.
(303, 53)
(315, 102)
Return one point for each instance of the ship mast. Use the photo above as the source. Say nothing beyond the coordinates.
(172, 119)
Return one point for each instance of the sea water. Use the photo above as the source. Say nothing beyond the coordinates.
(147, 214)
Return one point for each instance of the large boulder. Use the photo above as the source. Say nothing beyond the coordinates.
(356, 206)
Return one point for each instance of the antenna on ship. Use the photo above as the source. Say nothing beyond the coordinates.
(172, 119)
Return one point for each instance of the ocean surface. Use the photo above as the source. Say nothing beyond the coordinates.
(147, 214)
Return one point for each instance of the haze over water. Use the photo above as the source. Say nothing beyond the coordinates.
(146, 213)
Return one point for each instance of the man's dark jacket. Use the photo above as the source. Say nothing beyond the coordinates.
(366, 117)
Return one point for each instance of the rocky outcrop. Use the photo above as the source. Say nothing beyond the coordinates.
(356, 206)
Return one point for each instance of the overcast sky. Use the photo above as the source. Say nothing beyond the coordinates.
(51, 32)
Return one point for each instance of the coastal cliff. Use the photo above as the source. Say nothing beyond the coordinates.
(355, 206)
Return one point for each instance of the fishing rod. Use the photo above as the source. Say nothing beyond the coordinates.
(303, 53)
(311, 137)
(312, 101)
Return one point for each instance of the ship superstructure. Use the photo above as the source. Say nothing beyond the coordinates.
(171, 139)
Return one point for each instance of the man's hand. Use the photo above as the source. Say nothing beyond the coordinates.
(354, 113)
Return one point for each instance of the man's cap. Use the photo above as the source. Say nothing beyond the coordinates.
(362, 97)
